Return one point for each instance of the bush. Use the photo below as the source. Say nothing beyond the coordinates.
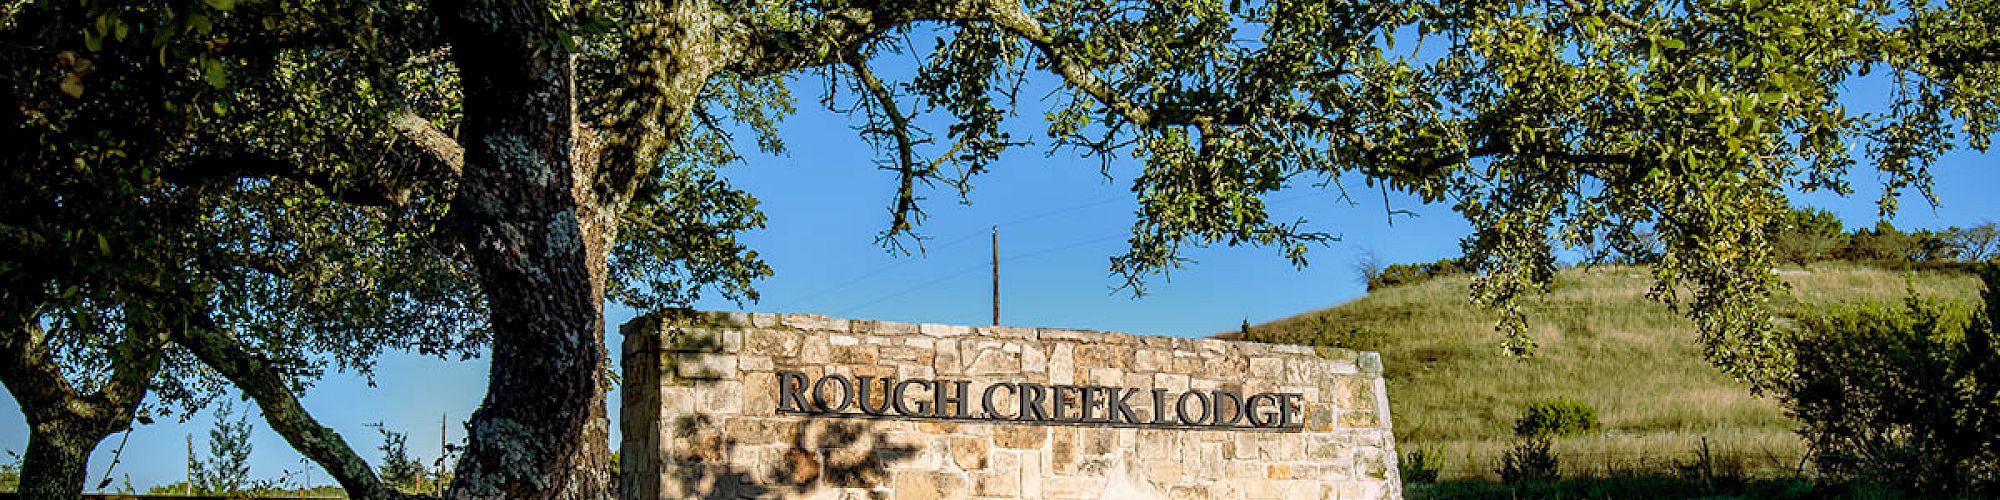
(1529, 460)
(1421, 465)
(1410, 274)
(1901, 396)
(1556, 417)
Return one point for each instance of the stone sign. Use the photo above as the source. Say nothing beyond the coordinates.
(738, 405)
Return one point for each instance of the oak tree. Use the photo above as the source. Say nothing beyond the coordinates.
(562, 141)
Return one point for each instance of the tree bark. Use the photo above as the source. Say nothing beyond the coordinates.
(54, 465)
(541, 431)
(63, 425)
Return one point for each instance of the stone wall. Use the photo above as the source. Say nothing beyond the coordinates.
(702, 415)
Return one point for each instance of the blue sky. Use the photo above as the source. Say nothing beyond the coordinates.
(1060, 220)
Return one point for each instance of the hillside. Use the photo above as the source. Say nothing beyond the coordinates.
(1603, 342)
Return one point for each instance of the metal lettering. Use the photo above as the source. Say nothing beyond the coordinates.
(865, 396)
(1065, 404)
(923, 408)
(792, 392)
(819, 393)
(986, 401)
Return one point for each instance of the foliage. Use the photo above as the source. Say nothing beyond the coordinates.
(1421, 465)
(227, 469)
(1559, 416)
(1530, 460)
(1806, 235)
(1906, 396)
(1886, 243)
(398, 469)
(10, 473)
(1979, 243)
(1543, 123)
(1410, 274)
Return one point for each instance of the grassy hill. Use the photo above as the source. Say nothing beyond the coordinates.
(1453, 392)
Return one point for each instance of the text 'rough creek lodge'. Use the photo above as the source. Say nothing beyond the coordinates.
(863, 396)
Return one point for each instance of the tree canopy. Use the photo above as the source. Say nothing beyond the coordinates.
(523, 161)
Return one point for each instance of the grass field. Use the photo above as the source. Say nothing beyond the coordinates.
(1455, 394)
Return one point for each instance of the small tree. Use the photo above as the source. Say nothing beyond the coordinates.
(227, 470)
(398, 468)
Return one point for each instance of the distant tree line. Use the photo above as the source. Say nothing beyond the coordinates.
(1808, 235)
(1800, 236)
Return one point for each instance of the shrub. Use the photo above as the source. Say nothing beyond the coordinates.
(1421, 465)
(1901, 396)
(1410, 274)
(1529, 460)
(1556, 417)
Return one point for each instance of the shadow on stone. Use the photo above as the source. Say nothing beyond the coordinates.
(761, 458)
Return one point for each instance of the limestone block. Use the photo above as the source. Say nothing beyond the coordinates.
(1108, 377)
(1005, 484)
(814, 322)
(1267, 366)
(1103, 356)
(755, 363)
(992, 361)
(884, 327)
(1359, 418)
(1033, 469)
(701, 365)
(764, 342)
(1371, 363)
(1189, 492)
(1186, 363)
(814, 350)
(929, 485)
(1161, 472)
(1065, 335)
(1158, 443)
(1062, 364)
(1034, 359)
(945, 358)
(1008, 332)
(937, 330)
(723, 398)
(969, 453)
(1077, 488)
(853, 355)
(1152, 360)
(760, 394)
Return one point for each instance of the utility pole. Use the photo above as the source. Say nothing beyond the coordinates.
(441, 450)
(996, 275)
(189, 489)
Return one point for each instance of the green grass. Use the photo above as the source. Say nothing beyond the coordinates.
(1602, 342)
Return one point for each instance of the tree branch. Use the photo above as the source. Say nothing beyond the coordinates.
(282, 410)
(441, 146)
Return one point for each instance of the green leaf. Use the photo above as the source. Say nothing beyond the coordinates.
(212, 71)
(221, 4)
(1673, 43)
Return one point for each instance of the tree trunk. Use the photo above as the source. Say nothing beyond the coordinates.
(54, 466)
(541, 432)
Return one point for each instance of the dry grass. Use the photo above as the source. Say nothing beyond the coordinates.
(1603, 342)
